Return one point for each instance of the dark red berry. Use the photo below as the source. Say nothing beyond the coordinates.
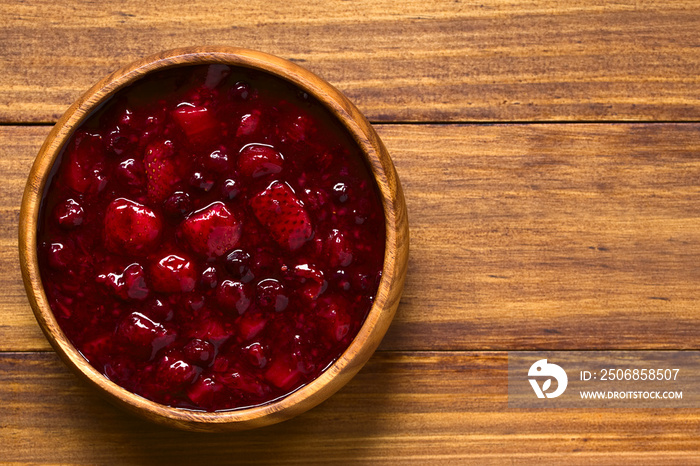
(255, 353)
(209, 279)
(160, 310)
(131, 172)
(271, 295)
(202, 181)
(59, 255)
(69, 214)
(341, 192)
(200, 352)
(174, 372)
(119, 141)
(240, 91)
(230, 189)
(178, 205)
(238, 265)
(217, 161)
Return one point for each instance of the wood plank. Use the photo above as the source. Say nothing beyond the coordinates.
(18, 328)
(458, 60)
(402, 407)
(568, 236)
(549, 236)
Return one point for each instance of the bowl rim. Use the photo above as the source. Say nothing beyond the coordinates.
(393, 272)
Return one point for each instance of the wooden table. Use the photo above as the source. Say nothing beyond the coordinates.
(550, 156)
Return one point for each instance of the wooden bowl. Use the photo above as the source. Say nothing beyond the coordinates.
(395, 259)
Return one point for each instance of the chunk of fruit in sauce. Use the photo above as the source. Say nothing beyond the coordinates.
(200, 243)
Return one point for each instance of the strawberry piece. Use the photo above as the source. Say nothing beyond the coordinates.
(120, 370)
(280, 210)
(245, 383)
(212, 231)
(209, 328)
(233, 296)
(338, 249)
(256, 160)
(99, 346)
(129, 284)
(161, 173)
(312, 280)
(198, 123)
(130, 227)
(250, 325)
(338, 322)
(295, 129)
(59, 255)
(173, 274)
(283, 373)
(142, 335)
(255, 353)
(135, 282)
(249, 123)
(216, 74)
(84, 172)
(221, 365)
(131, 172)
(204, 392)
(160, 309)
(173, 372)
(69, 214)
(341, 326)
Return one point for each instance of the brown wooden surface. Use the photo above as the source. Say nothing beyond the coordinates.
(523, 236)
(489, 60)
(564, 235)
(393, 411)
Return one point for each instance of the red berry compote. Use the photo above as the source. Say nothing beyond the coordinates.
(211, 238)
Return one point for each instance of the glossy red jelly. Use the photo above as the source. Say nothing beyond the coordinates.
(211, 238)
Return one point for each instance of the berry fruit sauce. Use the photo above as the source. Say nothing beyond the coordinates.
(211, 238)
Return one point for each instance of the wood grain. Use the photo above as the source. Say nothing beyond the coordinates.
(490, 60)
(394, 411)
(553, 236)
